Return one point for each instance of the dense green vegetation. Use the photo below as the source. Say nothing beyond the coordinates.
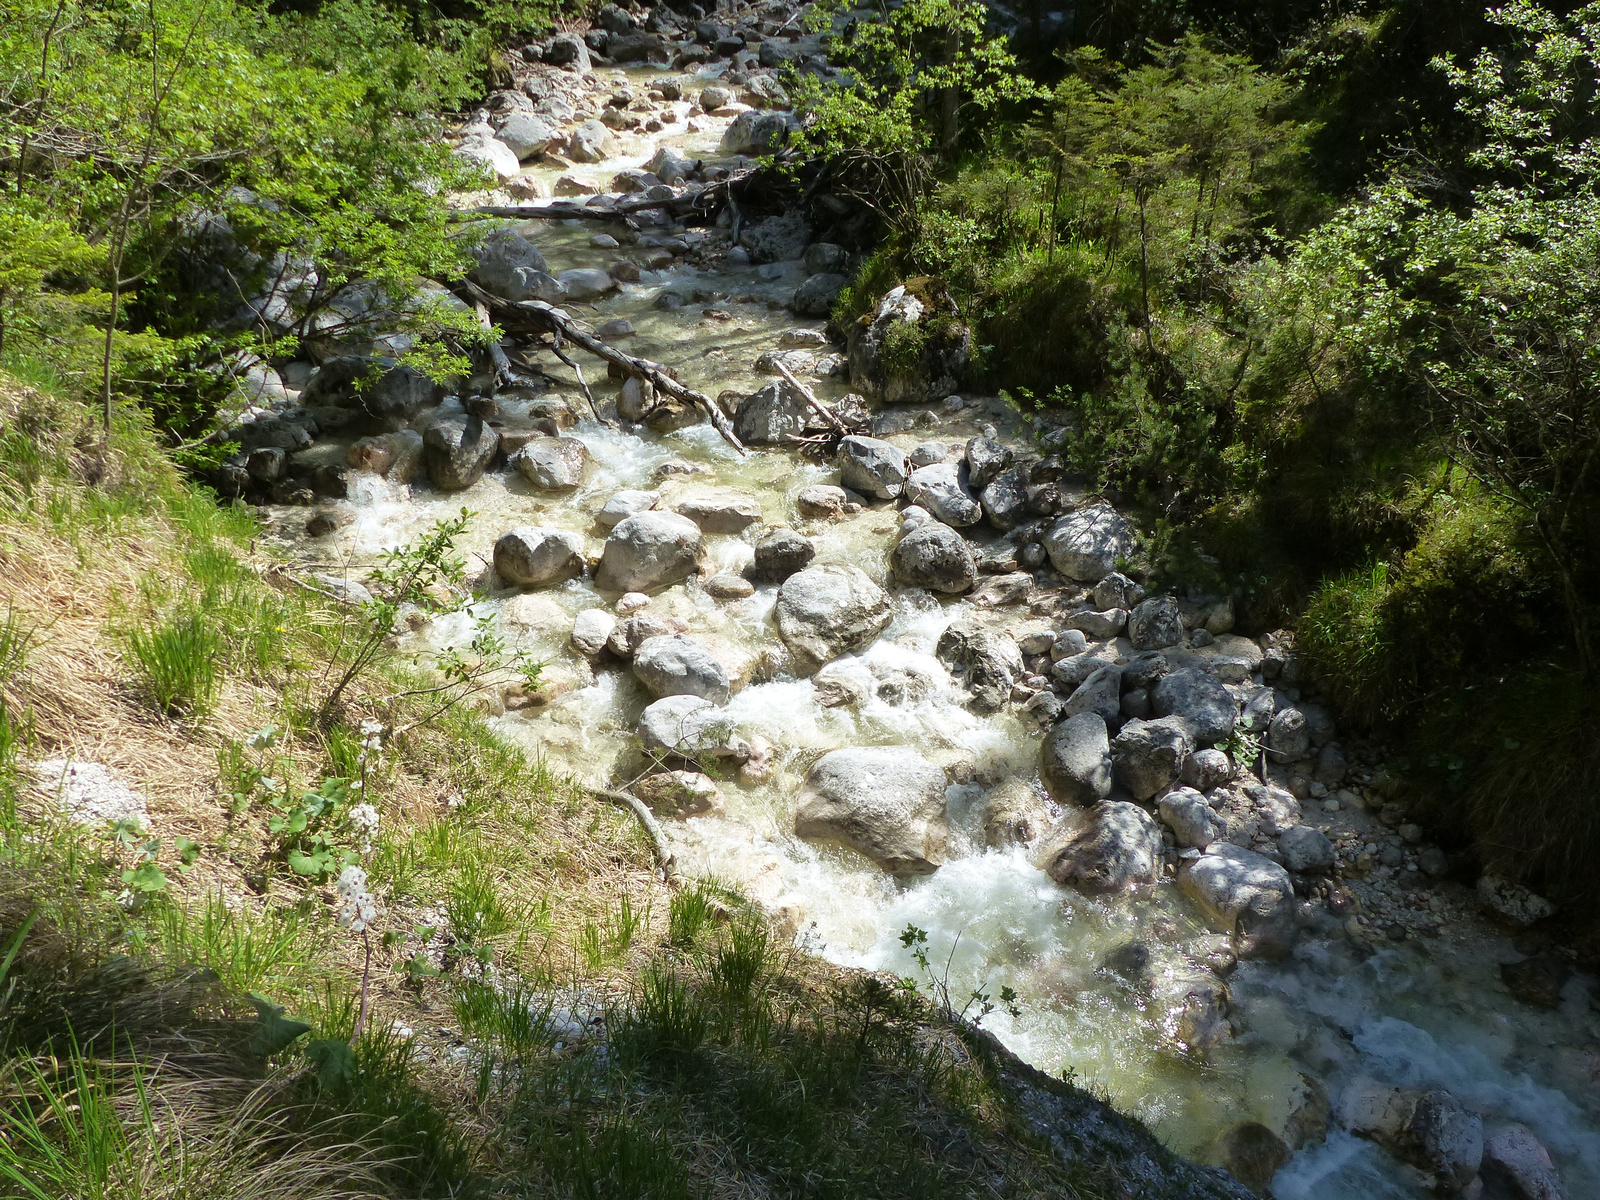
(1311, 287)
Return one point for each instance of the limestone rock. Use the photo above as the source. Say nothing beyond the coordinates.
(679, 793)
(1085, 545)
(555, 464)
(939, 488)
(885, 801)
(872, 467)
(1246, 894)
(1193, 823)
(826, 611)
(1107, 850)
(1147, 755)
(458, 452)
(531, 556)
(590, 630)
(1075, 760)
(678, 665)
(1201, 700)
(725, 511)
(1155, 624)
(650, 550)
(936, 557)
(780, 554)
(624, 504)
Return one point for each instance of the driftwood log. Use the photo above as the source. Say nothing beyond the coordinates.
(549, 318)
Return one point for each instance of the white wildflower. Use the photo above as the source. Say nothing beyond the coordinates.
(364, 820)
(371, 736)
(357, 908)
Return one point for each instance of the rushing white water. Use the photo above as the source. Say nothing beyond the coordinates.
(1427, 1013)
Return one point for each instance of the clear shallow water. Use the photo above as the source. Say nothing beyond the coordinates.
(1423, 1014)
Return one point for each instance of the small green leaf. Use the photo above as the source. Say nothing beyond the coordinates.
(147, 877)
(311, 865)
(273, 1032)
(335, 1062)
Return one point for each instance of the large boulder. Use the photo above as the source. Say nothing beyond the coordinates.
(493, 159)
(691, 728)
(823, 612)
(988, 661)
(1515, 1157)
(913, 351)
(1100, 693)
(1005, 498)
(530, 556)
(1155, 624)
(636, 47)
(723, 511)
(677, 665)
(1075, 760)
(872, 467)
(780, 554)
(1085, 545)
(755, 132)
(511, 266)
(1205, 705)
(555, 464)
(885, 801)
(935, 557)
(1194, 824)
(585, 283)
(1445, 1139)
(815, 297)
(1112, 848)
(1246, 894)
(1288, 738)
(769, 415)
(1305, 849)
(650, 550)
(528, 134)
(1147, 755)
(458, 452)
(939, 488)
(590, 142)
(776, 239)
(986, 458)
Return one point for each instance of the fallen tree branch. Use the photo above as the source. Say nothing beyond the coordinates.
(827, 413)
(558, 322)
(652, 827)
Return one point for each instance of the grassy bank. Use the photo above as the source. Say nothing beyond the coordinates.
(513, 1004)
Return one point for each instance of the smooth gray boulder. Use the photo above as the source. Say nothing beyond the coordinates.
(1155, 624)
(528, 134)
(1201, 700)
(624, 504)
(1305, 849)
(935, 557)
(650, 550)
(770, 414)
(458, 452)
(722, 511)
(1147, 755)
(1110, 849)
(555, 464)
(1288, 739)
(586, 283)
(532, 556)
(590, 142)
(1100, 693)
(509, 265)
(939, 488)
(823, 612)
(590, 631)
(816, 296)
(678, 665)
(1100, 626)
(1005, 498)
(887, 802)
(1085, 545)
(1075, 760)
(872, 467)
(1245, 894)
(689, 727)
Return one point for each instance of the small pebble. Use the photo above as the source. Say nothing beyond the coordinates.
(604, 241)
(631, 602)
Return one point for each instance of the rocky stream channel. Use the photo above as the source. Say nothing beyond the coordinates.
(893, 675)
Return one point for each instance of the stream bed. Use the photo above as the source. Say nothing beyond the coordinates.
(1420, 1011)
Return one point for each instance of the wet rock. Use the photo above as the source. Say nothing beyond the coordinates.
(637, 397)
(634, 630)
(650, 550)
(816, 296)
(590, 630)
(671, 165)
(1445, 1139)
(458, 452)
(1085, 545)
(624, 504)
(1253, 1154)
(1193, 822)
(1513, 901)
(823, 612)
(530, 556)
(689, 727)
(1100, 693)
(1201, 700)
(1075, 760)
(1195, 1004)
(1015, 814)
(1309, 1114)
(939, 488)
(728, 586)
(780, 554)
(935, 557)
(768, 416)
(511, 266)
(1245, 894)
(989, 662)
(1116, 590)
(1147, 755)
(678, 665)
(528, 134)
(586, 283)
(872, 467)
(1376, 1110)
(887, 802)
(679, 793)
(590, 143)
(821, 500)
(1098, 626)
(554, 464)
(1110, 849)
(1537, 981)
(713, 98)
(1288, 740)
(1155, 624)
(1305, 849)
(722, 512)
(1518, 1160)
(1005, 500)
(1207, 769)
